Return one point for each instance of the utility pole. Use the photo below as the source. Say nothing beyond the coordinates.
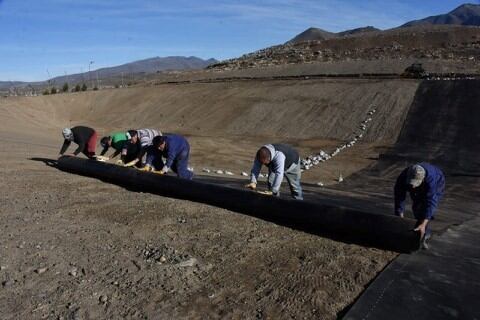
(49, 79)
(89, 75)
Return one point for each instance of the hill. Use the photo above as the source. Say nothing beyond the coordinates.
(151, 65)
(431, 39)
(465, 15)
(8, 84)
(448, 43)
(312, 34)
(356, 31)
(315, 34)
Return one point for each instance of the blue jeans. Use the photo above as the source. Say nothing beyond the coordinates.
(180, 165)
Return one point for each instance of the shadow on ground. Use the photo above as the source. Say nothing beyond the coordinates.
(46, 161)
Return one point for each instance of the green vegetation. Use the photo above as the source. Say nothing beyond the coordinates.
(65, 87)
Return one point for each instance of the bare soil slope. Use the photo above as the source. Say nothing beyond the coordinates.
(228, 121)
(281, 109)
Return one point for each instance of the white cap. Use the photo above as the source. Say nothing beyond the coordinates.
(415, 175)
(67, 134)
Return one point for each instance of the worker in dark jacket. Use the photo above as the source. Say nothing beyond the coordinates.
(175, 149)
(281, 160)
(426, 184)
(137, 145)
(85, 137)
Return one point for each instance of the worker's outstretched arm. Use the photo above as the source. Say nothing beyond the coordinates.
(124, 153)
(104, 151)
(257, 166)
(65, 146)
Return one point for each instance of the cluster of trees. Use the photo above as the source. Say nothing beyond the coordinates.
(65, 88)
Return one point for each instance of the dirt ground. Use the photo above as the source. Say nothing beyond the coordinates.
(78, 248)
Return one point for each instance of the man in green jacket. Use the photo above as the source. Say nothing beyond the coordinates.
(117, 141)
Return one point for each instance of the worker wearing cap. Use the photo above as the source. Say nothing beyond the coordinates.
(142, 139)
(176, 151)
(85, 137)
(117, 141)
(426, 185)
(281, 160)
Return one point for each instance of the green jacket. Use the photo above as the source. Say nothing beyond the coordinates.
(118, 140)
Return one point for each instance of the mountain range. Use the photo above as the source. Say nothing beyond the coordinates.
(151, 65)
(465, 15)
(148, 66)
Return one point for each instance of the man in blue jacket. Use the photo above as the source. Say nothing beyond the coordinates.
(175, 149)
(426, 184)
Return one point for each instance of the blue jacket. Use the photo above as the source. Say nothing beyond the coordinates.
(426, 197)
(175, 146)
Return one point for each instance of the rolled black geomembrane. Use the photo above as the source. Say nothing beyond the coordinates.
(382, 231)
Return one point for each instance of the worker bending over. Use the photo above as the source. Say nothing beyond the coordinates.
(426, 184)
(117, 141)
(175, 149)
(85, 137)
(281, 160)
(139, 141)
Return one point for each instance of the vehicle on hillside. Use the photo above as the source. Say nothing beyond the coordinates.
(416, 70)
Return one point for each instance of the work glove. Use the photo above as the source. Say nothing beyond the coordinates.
(131, 163)
(102, 158)
(146, 168)
(119, 162)
(266, 193)
(165, 169)
(251, 185)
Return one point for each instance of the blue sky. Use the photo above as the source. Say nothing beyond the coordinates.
(54, 37)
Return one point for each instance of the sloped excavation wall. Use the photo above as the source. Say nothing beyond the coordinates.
(383, 231)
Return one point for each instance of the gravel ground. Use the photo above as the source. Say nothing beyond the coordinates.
(77, 248)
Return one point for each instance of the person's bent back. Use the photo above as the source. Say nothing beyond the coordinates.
(85, 137)
(282, 161)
